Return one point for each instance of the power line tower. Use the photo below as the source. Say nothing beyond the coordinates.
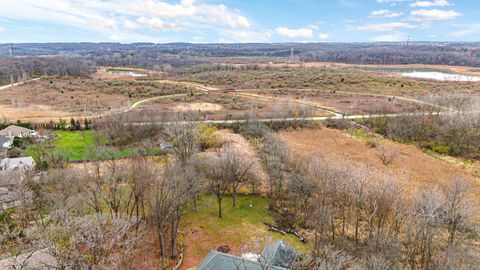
(11, 49)
(293, 59)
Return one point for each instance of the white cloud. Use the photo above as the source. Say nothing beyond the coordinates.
(389, 1)
(435, 3)
(2, 29)
(245, 36)
(390, 37)
(383, 27)
(157, 24)
(300, 33)
(467, 30)
(433, 15)
(385, 13)
(118, 18)
(324, 36)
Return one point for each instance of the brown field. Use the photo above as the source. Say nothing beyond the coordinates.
(220, 106)
(63, 97)
(344, 103)
(329, 79)
(412, 167)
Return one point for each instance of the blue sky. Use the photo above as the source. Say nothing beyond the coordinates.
(212, 21)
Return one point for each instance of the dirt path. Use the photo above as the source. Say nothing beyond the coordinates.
(18, 83)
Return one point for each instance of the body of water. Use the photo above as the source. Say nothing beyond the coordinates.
(423, 73)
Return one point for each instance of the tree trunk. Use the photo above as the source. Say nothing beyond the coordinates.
(234, 198)
(219, 207)
(161, 239)
(173, 241)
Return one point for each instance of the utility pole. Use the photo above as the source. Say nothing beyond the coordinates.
(11, 49)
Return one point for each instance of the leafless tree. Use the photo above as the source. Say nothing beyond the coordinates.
(217, 182)
(161, 205)
(387, 154)
(236, 168)
(182, 139)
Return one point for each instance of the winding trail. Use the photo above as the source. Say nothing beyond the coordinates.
(245, 93)
(18, 83)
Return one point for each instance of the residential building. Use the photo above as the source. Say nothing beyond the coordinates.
(278, 256)
(16, 131)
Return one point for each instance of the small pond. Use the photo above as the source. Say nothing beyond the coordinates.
(423, 73)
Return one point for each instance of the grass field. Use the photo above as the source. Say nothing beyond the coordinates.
(76, 144)
(203, 231)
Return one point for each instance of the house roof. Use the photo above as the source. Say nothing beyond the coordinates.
(3, 140)
(279, 254)
(221, 261)
(13, 130)
(11, 163)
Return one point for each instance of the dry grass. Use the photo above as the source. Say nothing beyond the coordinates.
(200, 107)
(412, 166)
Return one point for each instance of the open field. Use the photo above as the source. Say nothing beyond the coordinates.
(344, 103)
(412, 167)
(224, 94)
(219, 106)
(64, 97)
(328, 79)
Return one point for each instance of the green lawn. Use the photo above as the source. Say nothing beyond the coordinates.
(239, 225)
(75, 143)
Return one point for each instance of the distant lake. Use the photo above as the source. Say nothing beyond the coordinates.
(423, 73)
(127, 73)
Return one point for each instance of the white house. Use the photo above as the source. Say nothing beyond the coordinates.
(16, 131)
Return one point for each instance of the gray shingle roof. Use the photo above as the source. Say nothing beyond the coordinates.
(279, 254)
(14, 131)
(3, 140)
(221, 261)
(24, 163)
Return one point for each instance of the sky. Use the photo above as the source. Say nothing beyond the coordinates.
(229, 21)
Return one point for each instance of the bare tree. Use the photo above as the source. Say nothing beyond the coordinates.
(387, 154)
(182, 138)
(235, 167)
(161, 203)
(460, 210)
(217, 182)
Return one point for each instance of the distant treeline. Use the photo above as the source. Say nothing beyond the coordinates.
(19, 69)
(21, 60)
